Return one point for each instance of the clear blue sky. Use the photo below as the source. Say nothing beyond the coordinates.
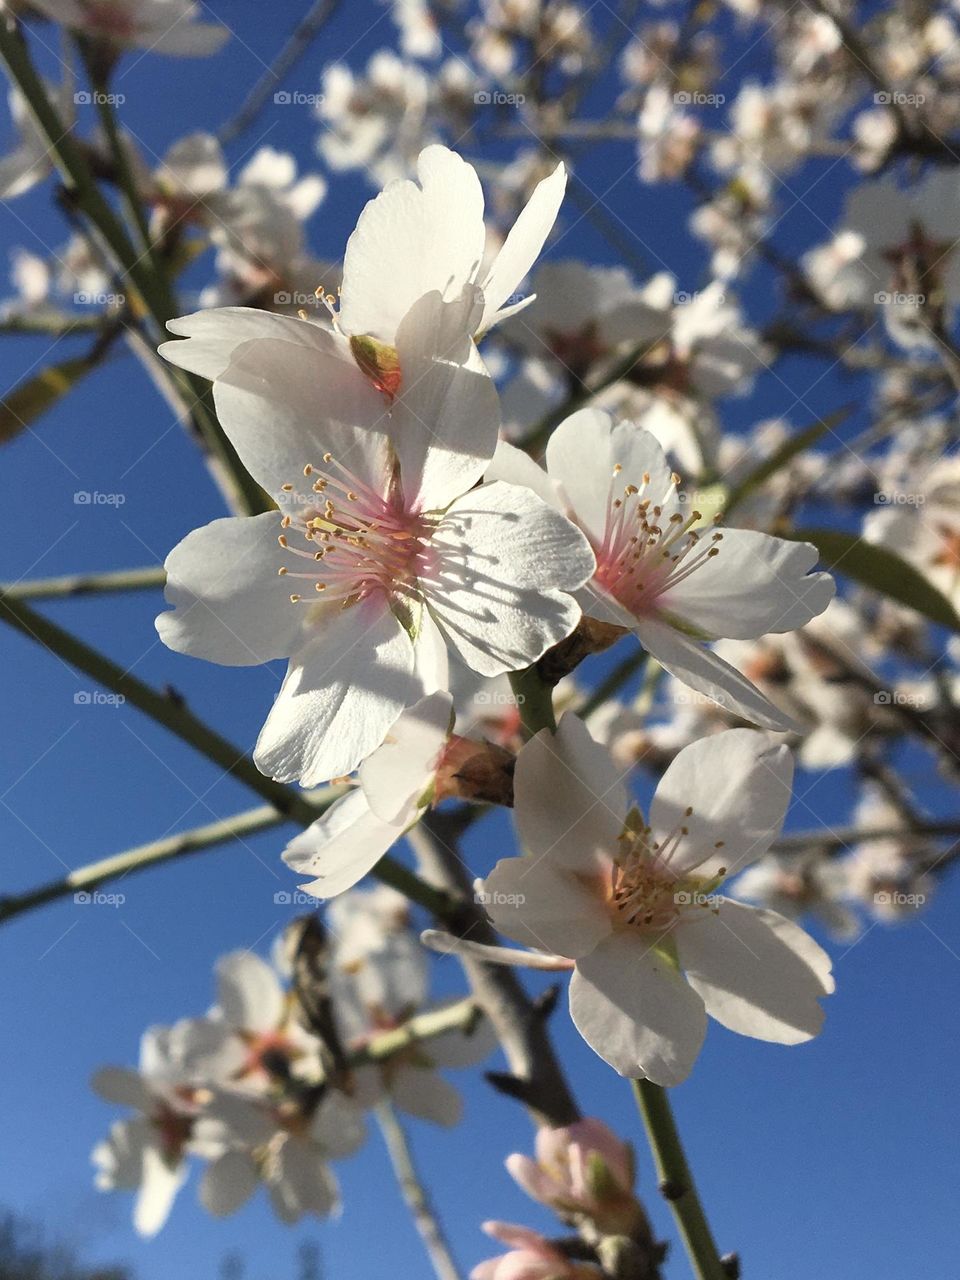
(835, 1159)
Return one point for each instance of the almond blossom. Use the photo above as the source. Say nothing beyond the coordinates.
(379, 979)
(416, 237)
(393, 555)
(159, 26)
(634, 904)
(420, 763)
(285, 1146)
(582, 1171)
(531, 1257)
(660, 573)
(147, 1153)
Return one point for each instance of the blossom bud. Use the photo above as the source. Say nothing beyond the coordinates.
(581, 1171)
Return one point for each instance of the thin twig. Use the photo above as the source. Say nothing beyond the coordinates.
(415, 1194)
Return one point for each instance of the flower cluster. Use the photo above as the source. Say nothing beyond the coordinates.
(273, 1083)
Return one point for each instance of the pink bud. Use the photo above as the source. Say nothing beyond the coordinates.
(581, 1171)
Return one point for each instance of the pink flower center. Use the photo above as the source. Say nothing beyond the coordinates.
(358, 541)
(646, 893)
(642, 555)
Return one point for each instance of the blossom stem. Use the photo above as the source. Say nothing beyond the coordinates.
(534, 698)
(676, 1181)
(82, 584)
(415, 1194)
(169, 710)
(241, 491)
(461, 1016)
(120, 157)
(197, 839)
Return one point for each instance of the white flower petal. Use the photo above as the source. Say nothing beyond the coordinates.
(516, 467)
(215, 334)
(522, 246)
(341, 694)
(121, 1086)
(315, 400)
(230, 604)
(709, 674)
(411, 240)
(301, 1182)
(158, 1189)
(545, 905)
(249, 993)
(570, 800)
(755, 585)
(582, 456)
(444, 422)
(634, 1010)
(338, 1125)
(758, 973)
(341, 847)
(228, 1183)
(505, 563)
(396, 775)
(738, 785)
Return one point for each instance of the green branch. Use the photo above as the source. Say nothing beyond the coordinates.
(84, 584)
(150, 283)
(676, 1181)
(173, 715)
(94, 874)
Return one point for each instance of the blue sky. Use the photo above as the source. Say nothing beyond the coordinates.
(837, 1158)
